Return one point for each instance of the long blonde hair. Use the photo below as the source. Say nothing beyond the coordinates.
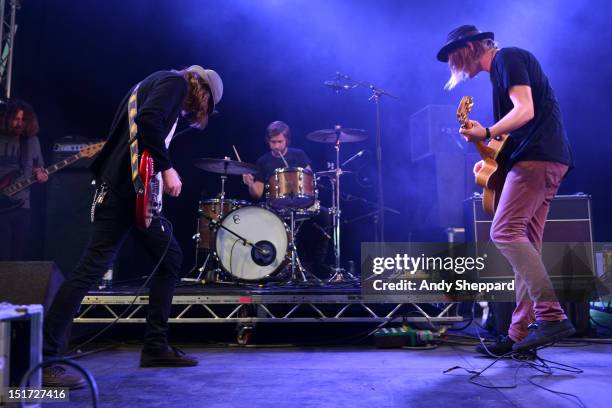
(460, 58)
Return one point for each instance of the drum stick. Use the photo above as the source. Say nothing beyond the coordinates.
(283, 157)
(236, 153)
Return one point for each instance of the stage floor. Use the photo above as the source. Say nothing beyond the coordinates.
(343, 377)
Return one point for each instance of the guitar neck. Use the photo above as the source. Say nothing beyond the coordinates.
(28, 181)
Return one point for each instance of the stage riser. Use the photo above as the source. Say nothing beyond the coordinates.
(267, 309)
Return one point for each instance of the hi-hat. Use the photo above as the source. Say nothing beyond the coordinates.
(225, 166)
(331, 173)
(346, 135)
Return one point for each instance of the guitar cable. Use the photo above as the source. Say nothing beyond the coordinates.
(162, 219)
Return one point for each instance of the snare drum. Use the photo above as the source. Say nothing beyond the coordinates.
(292, 187)
(260, 227)
(212, 209)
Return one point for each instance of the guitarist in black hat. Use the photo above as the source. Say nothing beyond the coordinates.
(19, 155)
(538, 155)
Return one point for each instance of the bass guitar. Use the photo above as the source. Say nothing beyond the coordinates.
(15, 182)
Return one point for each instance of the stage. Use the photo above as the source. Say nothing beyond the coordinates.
(343, 377)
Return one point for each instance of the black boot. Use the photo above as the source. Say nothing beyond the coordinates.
(544, 332)
(503, 345)
(56, 376)
(172, 357)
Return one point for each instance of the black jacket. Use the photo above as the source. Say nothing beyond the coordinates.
(160, 99)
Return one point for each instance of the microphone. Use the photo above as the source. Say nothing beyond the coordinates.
(358, 154)
(258, 248)
(337, 86)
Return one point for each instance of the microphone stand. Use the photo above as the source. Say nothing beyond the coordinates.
(377, 93)
(216, 224)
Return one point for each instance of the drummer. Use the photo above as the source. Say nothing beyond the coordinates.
(278, 138)
(312, 241)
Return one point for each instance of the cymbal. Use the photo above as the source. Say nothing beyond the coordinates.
(330, 173)
(329, 135)
(225, 166)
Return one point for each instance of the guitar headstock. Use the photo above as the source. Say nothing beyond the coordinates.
(463, 111)
(91, 150)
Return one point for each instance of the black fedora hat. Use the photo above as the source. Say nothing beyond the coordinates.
(459, 37)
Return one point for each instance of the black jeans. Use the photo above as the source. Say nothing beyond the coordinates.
(114, 219)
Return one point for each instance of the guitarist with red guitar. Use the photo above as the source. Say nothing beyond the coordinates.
(128, 200)
(20, 155)
(534, 158)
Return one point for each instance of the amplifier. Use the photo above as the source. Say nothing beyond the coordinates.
(569, 219)
(69, 146)
(567, 250)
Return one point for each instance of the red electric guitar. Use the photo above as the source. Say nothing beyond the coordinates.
(14, 182)
(149, 201)
(492, 175)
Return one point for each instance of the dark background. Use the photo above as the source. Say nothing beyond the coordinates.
(74, 60)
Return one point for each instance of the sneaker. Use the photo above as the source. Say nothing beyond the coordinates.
(503, 345)
(56, 376)
(172, 357)
(544, 332)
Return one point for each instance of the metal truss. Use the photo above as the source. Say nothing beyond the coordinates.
(252, 309)
(8, 28)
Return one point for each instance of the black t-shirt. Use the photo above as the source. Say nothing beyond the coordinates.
(268, 163)
(543, 138)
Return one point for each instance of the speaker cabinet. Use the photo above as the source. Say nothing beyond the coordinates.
(69, 197)
(438, 184)
(25, 283)
(433, 129)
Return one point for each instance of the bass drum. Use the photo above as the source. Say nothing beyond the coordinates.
(213, 209)
(266, 231)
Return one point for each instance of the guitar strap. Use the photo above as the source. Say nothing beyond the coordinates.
(132, 110)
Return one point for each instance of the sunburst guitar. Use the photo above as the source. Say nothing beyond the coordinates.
(492, 175)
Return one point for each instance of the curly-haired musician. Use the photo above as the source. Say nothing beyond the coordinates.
(19, 154)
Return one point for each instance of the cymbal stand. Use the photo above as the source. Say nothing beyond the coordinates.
(340, 274)
(212, 275)
(216, 272)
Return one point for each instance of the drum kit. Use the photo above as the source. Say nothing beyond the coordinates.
(250, 243)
